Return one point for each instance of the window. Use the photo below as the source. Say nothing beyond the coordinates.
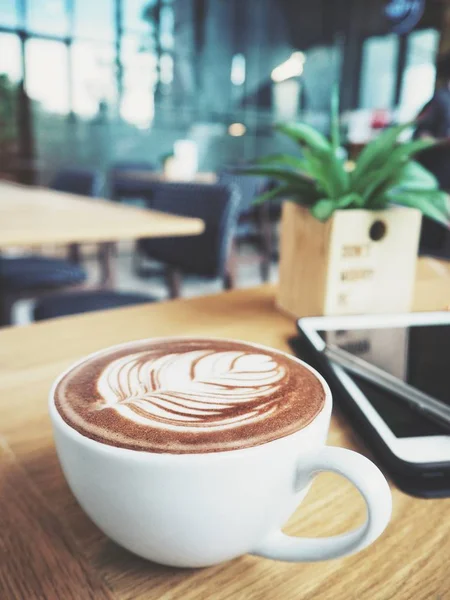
(47, 75)
(9, 16)
(48, 17)
(95, 19)
(379, 72)
(93, 77)
(139, 64)
(10, 57)
(10, 75)
(166, 69)
(136, 15)
(420, 72)
(139, 79)
(166, 32)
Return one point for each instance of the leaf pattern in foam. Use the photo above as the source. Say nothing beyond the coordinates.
(201, 388)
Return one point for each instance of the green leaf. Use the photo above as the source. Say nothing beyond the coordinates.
(340, 176)
(350, 201)
(280, 191)
(416, 177)
(320, 158)
(329, 173)
(316, 169)
(323, 209)
(292, 177)
(432, 204)
(282, 160)
(389, 173)
(335, 126)
(409, 149)
(377, 152)
(305, 135)
(304, 197)
(379, 200)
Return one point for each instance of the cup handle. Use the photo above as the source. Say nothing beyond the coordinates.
(374, 488)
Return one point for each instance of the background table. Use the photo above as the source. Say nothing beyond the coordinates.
(206, 177)
(31, 216)
(410, 561)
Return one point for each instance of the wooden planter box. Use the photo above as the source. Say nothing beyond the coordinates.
(357, 262)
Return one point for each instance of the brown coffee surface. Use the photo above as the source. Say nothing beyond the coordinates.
(188, 396)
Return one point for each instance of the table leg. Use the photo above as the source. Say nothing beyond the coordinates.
(106, 258)
(74, 253)
(265, 229)
(174, 280)
(230, 275)
(6, 306)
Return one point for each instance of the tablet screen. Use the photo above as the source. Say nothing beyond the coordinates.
(419, 355)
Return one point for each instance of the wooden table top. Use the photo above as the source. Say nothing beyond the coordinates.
(410, 560)
(34, 216)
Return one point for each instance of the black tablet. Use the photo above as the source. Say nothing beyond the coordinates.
(414, 348)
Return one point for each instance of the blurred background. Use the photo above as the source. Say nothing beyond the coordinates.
(93, 83)
(189, 90)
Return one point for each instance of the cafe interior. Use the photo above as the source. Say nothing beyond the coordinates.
(132, 134)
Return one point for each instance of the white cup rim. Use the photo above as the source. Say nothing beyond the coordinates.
(169, 456)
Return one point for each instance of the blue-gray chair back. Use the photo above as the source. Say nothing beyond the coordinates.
(121, 183)
(85, 182)
(249, 186)
(205, 254)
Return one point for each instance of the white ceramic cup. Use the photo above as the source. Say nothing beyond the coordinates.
(195, 510)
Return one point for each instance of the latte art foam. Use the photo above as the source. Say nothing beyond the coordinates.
(189, 396)
(202, 388)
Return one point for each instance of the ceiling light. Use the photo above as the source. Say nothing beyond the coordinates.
(292, 67)
(238, 69)
(237, 129)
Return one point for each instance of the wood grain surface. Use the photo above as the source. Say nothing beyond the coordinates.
(38, 556)
(409, 562)
(302, 236)
(33, 216)
(344, 271)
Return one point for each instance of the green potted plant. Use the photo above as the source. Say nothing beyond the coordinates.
(350, 233)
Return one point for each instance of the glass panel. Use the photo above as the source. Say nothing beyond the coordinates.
(47, 75)
(139, 78)
(166, 27)
(9, 13)
(95, 20)
(48, 16)
(93, 78)
(419, 77)
(137, 14)
(379, 72)
(166, 69)
(321, 71)
(10, 57)
(139, 65)
(10, 75)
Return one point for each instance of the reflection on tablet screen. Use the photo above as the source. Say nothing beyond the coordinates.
(419, 355)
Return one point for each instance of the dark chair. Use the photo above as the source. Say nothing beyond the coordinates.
(210, 254)
(84, 182)
(435, 238)
(35, 272)
(254, 224)
(72, 303)
(122, 184)
(31, 276)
